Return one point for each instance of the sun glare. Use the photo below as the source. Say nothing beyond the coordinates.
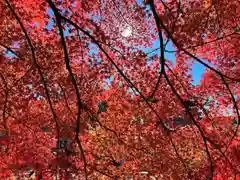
(126, 32)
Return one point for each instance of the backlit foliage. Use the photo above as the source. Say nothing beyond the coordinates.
(84, 93)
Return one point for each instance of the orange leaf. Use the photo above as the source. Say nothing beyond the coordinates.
(207, 3)
(238, 92)
(39, 20)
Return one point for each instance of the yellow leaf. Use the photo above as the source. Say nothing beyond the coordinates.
(207, 3)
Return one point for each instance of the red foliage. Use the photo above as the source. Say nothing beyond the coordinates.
(59, 116)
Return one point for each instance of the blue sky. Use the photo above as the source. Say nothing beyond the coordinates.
(197, 72)
(197, 69)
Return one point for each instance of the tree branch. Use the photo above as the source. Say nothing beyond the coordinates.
(68, 67)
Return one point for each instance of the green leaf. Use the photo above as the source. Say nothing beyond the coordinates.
(235, 122)
(2, 134)
(45, 129)
(102, 106)
(236, 29)
(152, 100)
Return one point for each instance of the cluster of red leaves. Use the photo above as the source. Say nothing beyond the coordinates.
(59, 117)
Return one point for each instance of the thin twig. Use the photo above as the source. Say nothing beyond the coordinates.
(120, 72)
(68, 67)
(10, 49)
(5, 104)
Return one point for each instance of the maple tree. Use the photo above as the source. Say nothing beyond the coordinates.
(60, 119)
